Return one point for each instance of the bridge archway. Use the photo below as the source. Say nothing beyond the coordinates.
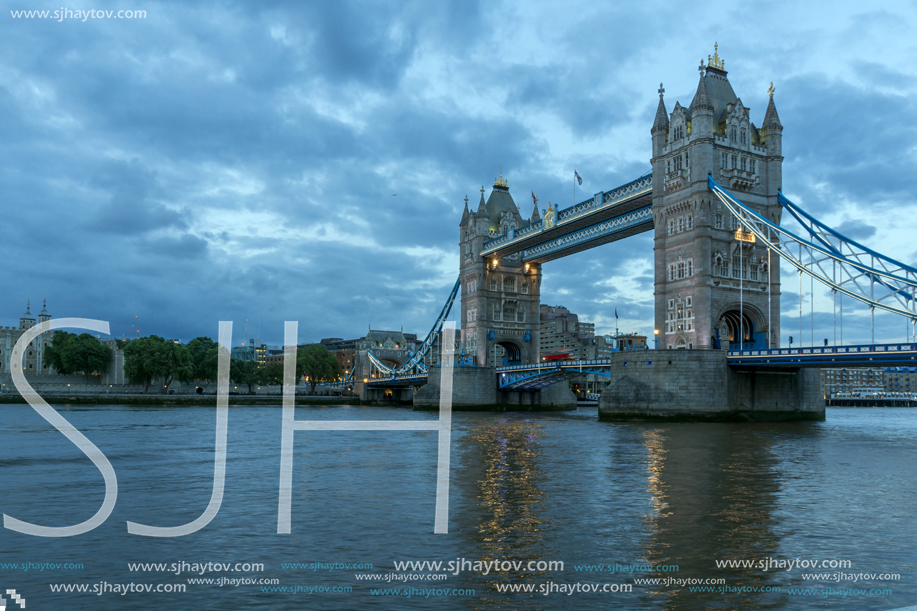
(743, 326)
(507, 352)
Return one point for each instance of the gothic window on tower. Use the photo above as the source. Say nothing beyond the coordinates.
(689, 301)
(671, 225)
(738, 264)
(493, 285)
(733, 162)
(668, 165)
(751, 166)
(678, 163)
(718, 220)
(689, 221)
(509, 285)
(724, 160)
(719, 267)
(496, 312)
(525, 287)
(681, 224)
(687, 160)
(742, 137)
(732, 134)
(509, 313)
(671, 304)
(743, 164)
(671, 271)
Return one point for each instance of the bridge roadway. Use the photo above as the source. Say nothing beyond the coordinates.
(606, 217)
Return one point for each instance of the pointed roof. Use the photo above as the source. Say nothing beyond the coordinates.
(481, 204)
(501, 201)
(701, 98)
(770, 117)
(28, 313)
(465, 213)
(44, 307)
(662, 117)
(535, 216)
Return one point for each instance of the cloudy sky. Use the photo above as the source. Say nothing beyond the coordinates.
(308, 161)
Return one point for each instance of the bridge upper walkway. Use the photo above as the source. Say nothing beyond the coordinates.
(606, 217)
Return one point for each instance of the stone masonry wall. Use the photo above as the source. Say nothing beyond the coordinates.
(699, 385)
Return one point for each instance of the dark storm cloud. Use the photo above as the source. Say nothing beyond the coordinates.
(131, 208)
(847, 137)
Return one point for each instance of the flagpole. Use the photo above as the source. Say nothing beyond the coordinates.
(574, 186)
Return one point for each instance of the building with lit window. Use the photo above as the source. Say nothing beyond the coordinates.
(852, 380)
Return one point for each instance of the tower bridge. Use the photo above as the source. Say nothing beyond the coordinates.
(714, 203)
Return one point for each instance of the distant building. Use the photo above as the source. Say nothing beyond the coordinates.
(32, 364)
(901, 379)
(393, 348)
(343, 350)
(852, 380)
(630, 341)
(261, 354)
(563, 331)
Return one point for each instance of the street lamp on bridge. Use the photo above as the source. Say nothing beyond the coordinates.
(655, 339)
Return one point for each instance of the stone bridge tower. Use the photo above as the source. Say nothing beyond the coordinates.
(500, 314)
(701, 252)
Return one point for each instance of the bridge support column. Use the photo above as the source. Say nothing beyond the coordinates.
(698, 385)
(475, 389)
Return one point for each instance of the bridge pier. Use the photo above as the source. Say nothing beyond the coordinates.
(475, 389)
(373, 394)
(698, 385)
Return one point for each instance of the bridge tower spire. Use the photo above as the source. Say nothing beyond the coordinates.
(711, 278)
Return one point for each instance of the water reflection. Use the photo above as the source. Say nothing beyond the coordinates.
(504, 471)
(713, 492)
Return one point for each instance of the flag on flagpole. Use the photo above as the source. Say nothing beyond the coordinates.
(616, 313)
(578, 178)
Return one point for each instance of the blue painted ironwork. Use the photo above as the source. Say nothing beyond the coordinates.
(413, 369)
(599, 202)
(590, 234)
(872, 355)
(535, 376)
(415, 363)
(836, 261)
(407, 379)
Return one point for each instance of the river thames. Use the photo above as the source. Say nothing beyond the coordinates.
(823, 513)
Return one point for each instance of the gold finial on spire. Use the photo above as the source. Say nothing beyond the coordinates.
(500, 182)
(715, 61)
(771, 89)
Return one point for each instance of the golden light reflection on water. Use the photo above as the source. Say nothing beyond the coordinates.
(510, 503)
(655, 461)
(712, 495)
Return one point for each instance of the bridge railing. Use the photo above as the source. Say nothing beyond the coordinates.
(557, 364)
(845, 350)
